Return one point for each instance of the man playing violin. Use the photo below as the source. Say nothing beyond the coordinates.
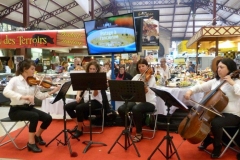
(231, 113)
(22, 103)
(138, 109)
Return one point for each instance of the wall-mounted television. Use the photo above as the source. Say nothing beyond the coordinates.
(115, 34)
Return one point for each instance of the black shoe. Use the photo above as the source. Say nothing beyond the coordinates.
(207, 141)
(74, 129)
(39, 140)
(216, 151)
(238, 156)
(77, 134)
(34, 148)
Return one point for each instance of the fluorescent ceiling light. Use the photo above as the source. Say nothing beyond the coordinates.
(84, 4)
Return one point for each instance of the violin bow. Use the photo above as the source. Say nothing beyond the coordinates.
(215, 112)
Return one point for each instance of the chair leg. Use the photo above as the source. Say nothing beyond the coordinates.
(102, 126)
(12, 139)
(154, 128)
(230, 142)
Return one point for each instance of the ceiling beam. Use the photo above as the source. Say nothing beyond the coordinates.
(54, 13)
(174, 10)
(10, 9)
(85, 16)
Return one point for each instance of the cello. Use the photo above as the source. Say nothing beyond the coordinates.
(196, 125)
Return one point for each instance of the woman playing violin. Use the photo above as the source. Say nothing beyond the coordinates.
(231, 113)
(22, 103)
(138, 109)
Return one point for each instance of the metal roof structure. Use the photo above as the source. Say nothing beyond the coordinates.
(176, 16)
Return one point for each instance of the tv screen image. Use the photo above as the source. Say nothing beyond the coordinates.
(115, 34)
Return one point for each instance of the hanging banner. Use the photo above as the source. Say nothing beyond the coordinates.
(43, 39)
(150, 34)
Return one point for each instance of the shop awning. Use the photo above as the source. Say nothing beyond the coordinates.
(214, 33)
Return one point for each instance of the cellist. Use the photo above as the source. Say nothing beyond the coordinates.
(231, 113)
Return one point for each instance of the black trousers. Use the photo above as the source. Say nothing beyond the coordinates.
(81, 110)
(219, 122)
(138, 111)
(32, 115)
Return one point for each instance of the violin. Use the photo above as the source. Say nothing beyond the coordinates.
(43, 83)
(147, 74)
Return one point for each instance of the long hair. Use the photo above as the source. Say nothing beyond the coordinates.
(231, 65)
(93, 62)
(24, 65)
(141, 61)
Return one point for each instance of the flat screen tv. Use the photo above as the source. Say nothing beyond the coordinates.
(115, 34)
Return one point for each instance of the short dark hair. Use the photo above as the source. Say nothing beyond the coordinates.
(141, 61)
(231, 65)
(24, 65)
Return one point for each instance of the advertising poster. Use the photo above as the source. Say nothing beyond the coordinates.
(150, 34)
(43, 39)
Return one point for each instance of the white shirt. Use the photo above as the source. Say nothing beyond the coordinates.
(98, 97)
(18, 87)
(150, 95)
(232, 92)
(165, 72)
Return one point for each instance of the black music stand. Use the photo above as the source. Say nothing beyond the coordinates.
(169, 100)
(88, 82)
(128, 91)
(61, 95)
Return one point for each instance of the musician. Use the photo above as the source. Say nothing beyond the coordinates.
(138, 109)
(79, 109)
(231, 113)
(22, 103)
(123, 75)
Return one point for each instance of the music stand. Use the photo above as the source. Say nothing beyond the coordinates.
(61, 95)
(128, 91)
(88, 82)
(169, 100)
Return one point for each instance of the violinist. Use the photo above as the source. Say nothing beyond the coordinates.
(22, 103)
(231, 113)
(138, 109)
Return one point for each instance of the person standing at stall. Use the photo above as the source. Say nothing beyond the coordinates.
(132, 69)
(138, 109)
(164, 69)
(22, 103)
(231, 113)
(76, 64)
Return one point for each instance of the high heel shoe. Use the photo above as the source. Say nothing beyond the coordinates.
(77, 134)
(39, 140)
(34, 148)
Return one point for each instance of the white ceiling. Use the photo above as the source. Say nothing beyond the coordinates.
(176, 16)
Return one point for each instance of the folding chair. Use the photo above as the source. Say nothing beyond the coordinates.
(232, 139)
(102, 125)
(148, 130)
(105, 105)
(7, 132)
